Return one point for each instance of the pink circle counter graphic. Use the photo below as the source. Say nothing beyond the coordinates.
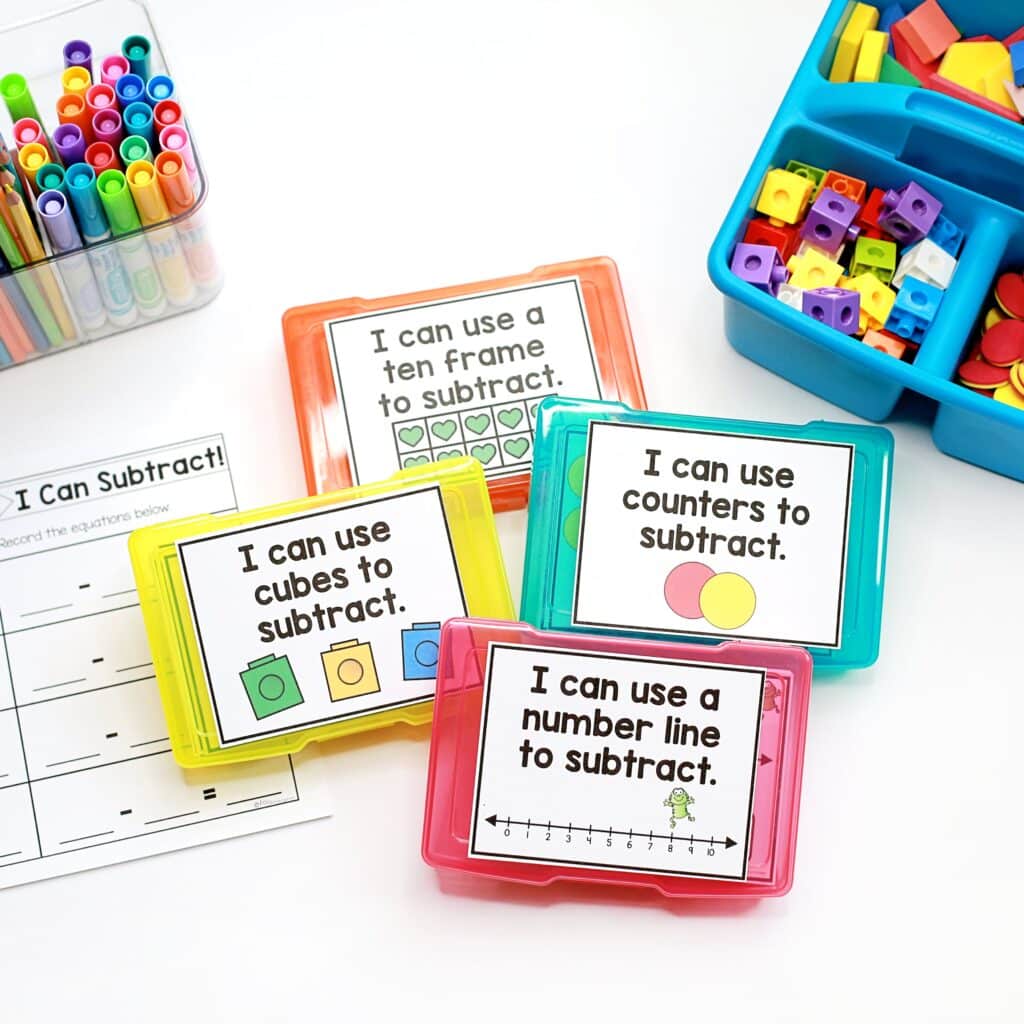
(694, 590)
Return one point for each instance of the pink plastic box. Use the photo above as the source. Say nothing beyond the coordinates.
(667, 765)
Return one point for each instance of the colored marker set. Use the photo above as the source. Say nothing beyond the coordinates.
(940, 164)
(682, 577)
(100, 225)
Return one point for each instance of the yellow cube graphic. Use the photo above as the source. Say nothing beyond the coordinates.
(349, 670)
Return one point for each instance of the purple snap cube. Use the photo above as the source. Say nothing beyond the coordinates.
(909, 213)
(760, 265)
(837, 307)
(830, 221)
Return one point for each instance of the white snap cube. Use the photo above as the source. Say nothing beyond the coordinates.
(927, 262)
(791, 296)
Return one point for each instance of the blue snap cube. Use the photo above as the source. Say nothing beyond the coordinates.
(916, 307)
(946, 235)
(419, 650)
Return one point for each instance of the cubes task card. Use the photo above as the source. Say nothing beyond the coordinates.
(317, 618)
(666, 525)
(385, 384)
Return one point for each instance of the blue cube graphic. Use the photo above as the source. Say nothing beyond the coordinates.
(419, 650)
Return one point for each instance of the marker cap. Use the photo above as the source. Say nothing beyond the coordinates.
(15, 92)
(50, 177)
(133, 148)
(31, 158)
(138, 120)
(107, 127)
(78, 53)
(166, 113)
(130, 88)
(117, 202)
(175, 183)
(102, 157)
(149, 200)
(28, 130)
(159, 88)
(69, 141)
(75, 80)
(60, 225)
(136, 50)
(80, 179)
(112, 68)
(176, 139)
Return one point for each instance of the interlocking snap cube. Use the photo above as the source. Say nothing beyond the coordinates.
(885, 343)
(791, 296)
(927, 262)
(812, 174)
(760, 265)
(813, 269)
(876, 301)
(830, 221)
(846, 185)
(947, 235)
(909, 213)
(761, 231)
(784, 196)
(837, 307)
(915, 309)
(875, 256)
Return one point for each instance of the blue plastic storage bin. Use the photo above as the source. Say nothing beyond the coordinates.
(970, 159)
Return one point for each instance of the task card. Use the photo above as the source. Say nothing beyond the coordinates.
(556, 755)
(385, 384)
(734, 529)
(86, 772)
(316, 618)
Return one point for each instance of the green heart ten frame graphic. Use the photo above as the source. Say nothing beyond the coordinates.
(516, 446)
(411, 436)
(479, 423)
(483, 452)
(444, 429)
(510, 417)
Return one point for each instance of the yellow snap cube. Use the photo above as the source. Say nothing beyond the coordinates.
(876, 300)
(863, 19)
(784, 196)
(813, 269)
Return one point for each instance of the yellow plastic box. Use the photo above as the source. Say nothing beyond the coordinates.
(316, 618)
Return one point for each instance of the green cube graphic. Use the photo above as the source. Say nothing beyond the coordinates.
(271, 685)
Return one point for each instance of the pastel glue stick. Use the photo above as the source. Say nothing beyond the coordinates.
(78, 53)
(69, 142)
(159, 88)
(176, 140)
(101, 157)
(130, 89)
(166, 113)
(31, 158)
(124, 221)
(17, 97)
(136, 50)
(75, 270)
(135, 147)
(107, 127)
(179, 195)
(138, 120)
(75, 80)
(112, 68)
(164, 243)
(111, 276)
(50, 177)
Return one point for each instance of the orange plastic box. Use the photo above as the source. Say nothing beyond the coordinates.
(385, 384)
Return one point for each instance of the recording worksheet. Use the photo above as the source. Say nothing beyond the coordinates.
(86, 773)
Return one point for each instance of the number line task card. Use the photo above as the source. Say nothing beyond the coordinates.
(86, 773)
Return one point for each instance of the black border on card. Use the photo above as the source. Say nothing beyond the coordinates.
(718, 634)
(332, 348)
(580, 652)
(181, 545)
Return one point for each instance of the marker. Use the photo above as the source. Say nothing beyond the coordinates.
(101, 157)
(107, 127)
(69, 142)
(164, 243)
(124, 220)
(75, 80)
(135, 147)
(112, 68)
(111, 276)
(130, 89)
(75, 110)
(31, 158)
(158, 89)
(27, 130)
(181, 199)
(176, 139)
(166, 113)
(138, 120)
(50, 176)
(136, 50)
(78, 53)
(74, 269)
(100, 97)
(15, 92)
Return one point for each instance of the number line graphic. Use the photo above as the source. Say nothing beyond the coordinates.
(727, 842)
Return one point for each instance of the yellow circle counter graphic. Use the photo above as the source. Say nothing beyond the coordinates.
(725, 599)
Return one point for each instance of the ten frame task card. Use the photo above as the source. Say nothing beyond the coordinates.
(316, 618)
(603, 759)
(384, 384)
(664, 525)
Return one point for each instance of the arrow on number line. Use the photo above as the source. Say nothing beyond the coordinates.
(727, 842)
